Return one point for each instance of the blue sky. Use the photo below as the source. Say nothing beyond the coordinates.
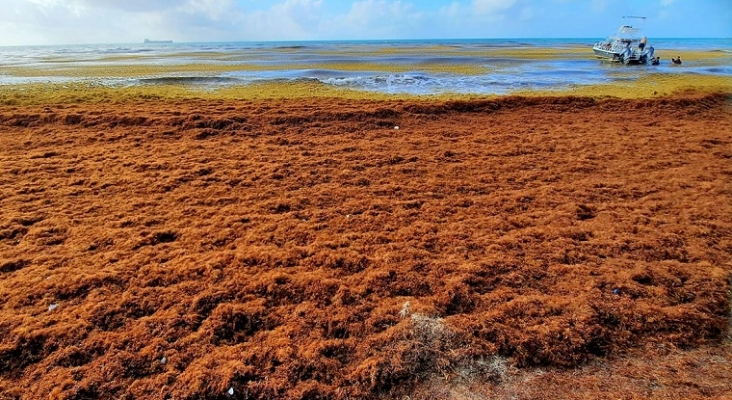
(24, 22)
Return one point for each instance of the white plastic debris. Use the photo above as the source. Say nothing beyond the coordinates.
(405, 310)
(163, 360)
(396, 128)
(231, 391)
(52, 307)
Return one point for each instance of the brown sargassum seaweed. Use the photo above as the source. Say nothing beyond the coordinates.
(330, 248)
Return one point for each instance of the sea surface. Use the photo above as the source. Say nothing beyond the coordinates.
(480, 66)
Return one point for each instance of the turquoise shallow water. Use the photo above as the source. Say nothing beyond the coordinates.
(283, 61)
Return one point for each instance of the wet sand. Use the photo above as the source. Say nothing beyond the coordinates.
(341, 248)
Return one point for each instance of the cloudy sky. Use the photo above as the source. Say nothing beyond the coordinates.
(24, 22)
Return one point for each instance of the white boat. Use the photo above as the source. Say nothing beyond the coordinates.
(627, 46)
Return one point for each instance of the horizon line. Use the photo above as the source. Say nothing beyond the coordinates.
(173, 41)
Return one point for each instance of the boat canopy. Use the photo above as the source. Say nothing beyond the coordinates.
(627, 31)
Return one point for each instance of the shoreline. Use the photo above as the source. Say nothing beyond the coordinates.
(654, 87)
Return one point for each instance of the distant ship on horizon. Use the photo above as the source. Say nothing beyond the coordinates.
(158, 41)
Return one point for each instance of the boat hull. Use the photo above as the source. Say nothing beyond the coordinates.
(627, 56)
(607, 55)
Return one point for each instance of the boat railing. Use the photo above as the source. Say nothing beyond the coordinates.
(604, 45)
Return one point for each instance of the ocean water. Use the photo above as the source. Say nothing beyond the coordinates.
(480, 66)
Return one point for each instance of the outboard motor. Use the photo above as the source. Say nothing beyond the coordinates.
(626, 55)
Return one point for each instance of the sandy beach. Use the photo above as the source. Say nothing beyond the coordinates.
(335, 248)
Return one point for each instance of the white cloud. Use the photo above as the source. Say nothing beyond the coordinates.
(47, 6)
(82, 5)
(117, 21)
(132, 5)
(214, 9)
(301, 12)
(380, 17)
(370, 11)
(289, 20)
(203, 7)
